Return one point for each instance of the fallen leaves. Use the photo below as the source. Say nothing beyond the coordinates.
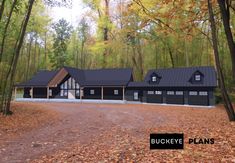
(26, 117)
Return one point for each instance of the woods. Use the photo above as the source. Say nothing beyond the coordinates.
(138, 34)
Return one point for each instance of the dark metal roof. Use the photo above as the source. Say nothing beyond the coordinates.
(179, 77)
(98, 77)
(108, 77)
(41, 79)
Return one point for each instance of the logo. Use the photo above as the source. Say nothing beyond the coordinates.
(167, 141)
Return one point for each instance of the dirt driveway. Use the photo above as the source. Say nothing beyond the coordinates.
(117, 132)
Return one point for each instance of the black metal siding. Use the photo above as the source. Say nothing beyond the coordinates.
(108, 93)
(96, 95)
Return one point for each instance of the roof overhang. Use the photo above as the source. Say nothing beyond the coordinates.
(58, 78)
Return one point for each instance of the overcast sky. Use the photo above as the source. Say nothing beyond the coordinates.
(72, 15)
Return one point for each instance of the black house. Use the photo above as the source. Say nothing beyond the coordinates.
(185, 86)
(188, 86)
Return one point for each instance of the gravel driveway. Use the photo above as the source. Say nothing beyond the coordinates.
(81, 123)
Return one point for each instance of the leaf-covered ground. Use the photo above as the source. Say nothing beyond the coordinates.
(120, 133)
(25, 117)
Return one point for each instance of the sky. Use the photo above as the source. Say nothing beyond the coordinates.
(72, 15)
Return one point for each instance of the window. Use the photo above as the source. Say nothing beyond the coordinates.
(158, 92)
(203, 93)
(154, 78)
(116, 92)
(197, 77)
(150, 92)
(77, 93)
(62, 86)
(77, 86)
(65, 85)
(170, 92)
(50, 92)
(73, 84)
(69, 83)
(193, 93)
(136, 95)
(92, 91)
(61, 92)
(179, 92)
(65, 93)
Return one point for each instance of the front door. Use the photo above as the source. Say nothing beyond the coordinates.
(71, 94)
(136, 96)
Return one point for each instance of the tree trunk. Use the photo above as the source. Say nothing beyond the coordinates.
(2, 9)
(225, 14)
(29, 58)
(45, 51)
(16, 54)
(105, 33)
(5, 29)
(227, 102)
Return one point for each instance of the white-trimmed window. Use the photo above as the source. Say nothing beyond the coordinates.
(170, 92)
(150, 92)
(61, 92)
(158, 92)
(65, 85)
(154, 78)
(136, 95)
(115, 92)
(65, 93)
(50, 92)
(73, 83)
(179, 93)
(92, 91)
(77, 86)
(77, 93)
(197, 77)
(62, 86)
(193, 93)
(203, 93)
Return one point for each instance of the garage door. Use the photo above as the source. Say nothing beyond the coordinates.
(175, 97)
(198, 98)
(154, 97)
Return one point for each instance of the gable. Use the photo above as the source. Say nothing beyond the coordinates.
(180, 77)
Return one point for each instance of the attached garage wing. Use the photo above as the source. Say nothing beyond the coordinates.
(175, 97)
(198, 98)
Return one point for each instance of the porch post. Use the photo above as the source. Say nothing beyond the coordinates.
(31, 92)
(123, 93)
(80, 93)
(102, 93)
(15, 92)
(47, 92)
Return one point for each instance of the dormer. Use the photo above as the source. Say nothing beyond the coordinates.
(154, 78)
(197, 77)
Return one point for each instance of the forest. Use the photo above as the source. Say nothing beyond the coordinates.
(137, 34)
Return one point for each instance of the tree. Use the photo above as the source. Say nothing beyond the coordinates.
(227, 101)
(61, 37)
(82, 35)
(225, 14)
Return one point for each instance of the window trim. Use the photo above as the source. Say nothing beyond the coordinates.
(92, 91)
(179, 93)
(197, 77)
(170, 92)
(203, 93)
(154, 78)
(158, 92)
(115, 92)
(193, 93)
(150, 92)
